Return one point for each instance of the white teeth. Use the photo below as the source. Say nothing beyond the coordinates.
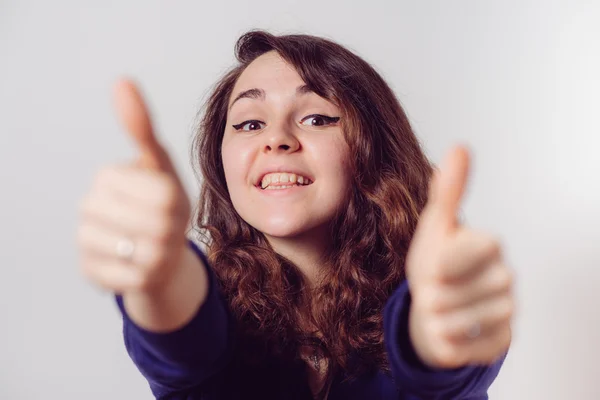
(279, 187)
(283, 177)
(265, 182)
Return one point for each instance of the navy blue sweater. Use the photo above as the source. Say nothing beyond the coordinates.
(198, 361)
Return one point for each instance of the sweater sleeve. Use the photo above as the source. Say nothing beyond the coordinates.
(415, 378)
(177, 361)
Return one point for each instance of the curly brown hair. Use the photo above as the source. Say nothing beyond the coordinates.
(371, 235)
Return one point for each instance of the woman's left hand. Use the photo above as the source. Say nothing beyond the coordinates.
(462, 297)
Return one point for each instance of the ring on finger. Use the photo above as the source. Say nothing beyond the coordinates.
(474, 330)
(125, 249)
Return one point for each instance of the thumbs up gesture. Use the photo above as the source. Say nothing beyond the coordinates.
(462, 301)
(134, 218)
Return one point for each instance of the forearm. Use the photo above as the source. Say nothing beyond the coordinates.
(179, 337)
(176, 303)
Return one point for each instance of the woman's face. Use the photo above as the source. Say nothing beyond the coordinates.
(284, 154)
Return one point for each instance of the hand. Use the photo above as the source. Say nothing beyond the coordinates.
(133, 220)
(462, 301)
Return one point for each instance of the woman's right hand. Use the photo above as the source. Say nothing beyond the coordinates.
(134, 219)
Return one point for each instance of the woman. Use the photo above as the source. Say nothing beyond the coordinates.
(334, 268)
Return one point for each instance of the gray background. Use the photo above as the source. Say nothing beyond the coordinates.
(518, 81)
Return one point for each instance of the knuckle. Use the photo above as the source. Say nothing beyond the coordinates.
(504, 278)
(492, 248)
(507, 308)
(164, 230)
(499, 346)
(439, 274)
(435, 299)
(438, 329)
(167, 194)
(510, 277)
(506, 339)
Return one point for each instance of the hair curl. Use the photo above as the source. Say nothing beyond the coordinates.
(370, 236)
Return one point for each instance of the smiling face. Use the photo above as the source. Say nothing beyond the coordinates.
(275, 124)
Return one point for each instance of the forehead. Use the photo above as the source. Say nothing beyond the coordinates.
(268, 72)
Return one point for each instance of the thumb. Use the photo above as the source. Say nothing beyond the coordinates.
(134, 115)
(448, 187)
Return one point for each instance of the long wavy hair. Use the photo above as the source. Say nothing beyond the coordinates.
(371, 235)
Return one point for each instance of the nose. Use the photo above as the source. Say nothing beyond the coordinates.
(281, 140)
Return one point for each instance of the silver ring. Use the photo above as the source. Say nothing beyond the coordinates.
(125, 249)
(474, 331)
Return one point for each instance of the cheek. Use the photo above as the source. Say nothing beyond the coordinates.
(228, 167)
(335, 166)
(237, 159)
(235, 163)
(336, 160)
(342, 181)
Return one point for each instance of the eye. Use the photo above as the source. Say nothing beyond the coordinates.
(251, 125)
(319, 120)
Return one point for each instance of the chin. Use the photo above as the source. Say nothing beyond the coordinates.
(282, 231)
(284, 228)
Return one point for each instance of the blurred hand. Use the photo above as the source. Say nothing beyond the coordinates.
(133, 221)
(462, 301)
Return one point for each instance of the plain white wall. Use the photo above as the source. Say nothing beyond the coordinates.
(516, 80)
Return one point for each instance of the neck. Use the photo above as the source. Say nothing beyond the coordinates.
(306, 251)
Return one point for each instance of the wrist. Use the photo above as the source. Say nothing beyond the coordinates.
(172, 302)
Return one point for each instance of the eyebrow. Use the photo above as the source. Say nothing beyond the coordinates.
(259, 94)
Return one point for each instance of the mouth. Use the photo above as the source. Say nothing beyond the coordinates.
(282, 181)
